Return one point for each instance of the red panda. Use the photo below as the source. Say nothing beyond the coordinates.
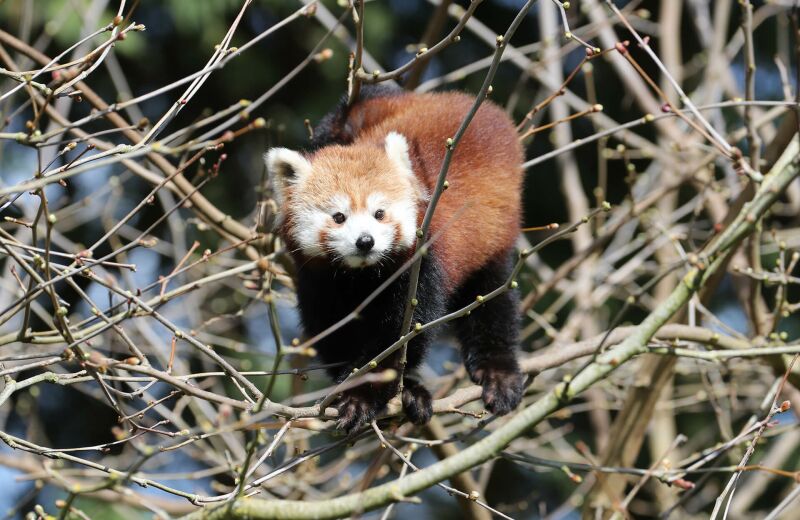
(349, 211)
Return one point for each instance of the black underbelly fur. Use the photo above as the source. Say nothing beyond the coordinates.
(329, 294)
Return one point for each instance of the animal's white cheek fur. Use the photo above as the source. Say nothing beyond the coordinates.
(339, 241)
(405, 214)
(384, 237)
(309, 223)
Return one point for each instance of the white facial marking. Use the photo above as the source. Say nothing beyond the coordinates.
(310, 221)
(339, 203)
(308, 225)
(400, 215)
(342, 240)
(376, 201)
(404, 212)
(401, 212)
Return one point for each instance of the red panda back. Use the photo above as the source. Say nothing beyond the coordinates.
(479, 215)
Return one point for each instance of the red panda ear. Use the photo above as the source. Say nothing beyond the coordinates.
(396, 147)
(286, 165)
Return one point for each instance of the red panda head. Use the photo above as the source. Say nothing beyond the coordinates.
(355, 205)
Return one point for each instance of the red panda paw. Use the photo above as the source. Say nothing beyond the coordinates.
(357, 408)
(502, 389)
(417, 402)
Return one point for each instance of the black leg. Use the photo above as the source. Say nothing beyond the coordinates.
(379, 326)
(488, 337)
(417, 401)
(360, 405)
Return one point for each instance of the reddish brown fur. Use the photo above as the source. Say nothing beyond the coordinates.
(352, 172)
(479, 215)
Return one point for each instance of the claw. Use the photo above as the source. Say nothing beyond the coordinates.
(357, 408)
(502, 388)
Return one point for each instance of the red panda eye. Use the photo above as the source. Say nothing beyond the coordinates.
(379, 214)
(339, 218)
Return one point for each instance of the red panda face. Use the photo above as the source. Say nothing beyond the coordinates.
(356, 205)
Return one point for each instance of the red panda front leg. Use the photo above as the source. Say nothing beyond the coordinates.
(417, 401)
(489, 335)
(359, 406)
(382, 323)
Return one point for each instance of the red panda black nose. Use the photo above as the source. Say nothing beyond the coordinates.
(365, 243)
